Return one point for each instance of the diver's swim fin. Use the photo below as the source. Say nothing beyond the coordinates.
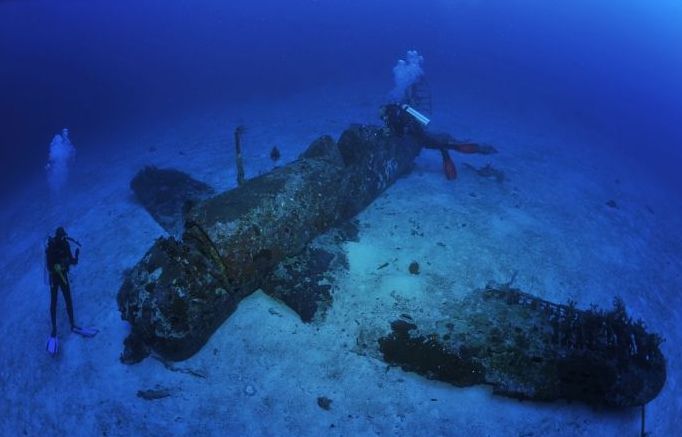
(85, 332)
(53, 346)
(448, 165)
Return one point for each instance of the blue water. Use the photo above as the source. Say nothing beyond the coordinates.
(575, 93)
(101, 66)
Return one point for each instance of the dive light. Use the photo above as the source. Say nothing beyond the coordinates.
(421, 118)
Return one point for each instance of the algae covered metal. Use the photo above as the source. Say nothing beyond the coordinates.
(182, 290)
(274, 232)
(529, 348)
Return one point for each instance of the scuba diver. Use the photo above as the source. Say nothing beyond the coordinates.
(403, 119)
(59, 259)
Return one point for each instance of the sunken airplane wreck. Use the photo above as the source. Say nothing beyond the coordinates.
(280, 232)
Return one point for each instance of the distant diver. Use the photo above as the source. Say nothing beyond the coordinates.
(275, 155)
(403, 119)
(59, 259)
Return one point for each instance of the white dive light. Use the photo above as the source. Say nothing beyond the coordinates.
(416, 114)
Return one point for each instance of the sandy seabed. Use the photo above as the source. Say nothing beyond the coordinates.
(262, 372)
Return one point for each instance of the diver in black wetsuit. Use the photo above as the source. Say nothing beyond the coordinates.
(400, 122)
(59, 259)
